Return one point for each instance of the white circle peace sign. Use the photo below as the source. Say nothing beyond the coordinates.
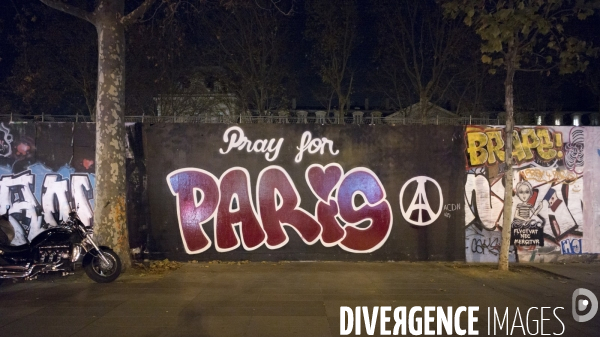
(420, 203)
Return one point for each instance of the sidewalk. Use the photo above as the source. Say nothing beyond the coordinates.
(581, 271)
(285, 299)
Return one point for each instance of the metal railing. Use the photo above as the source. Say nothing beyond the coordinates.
(16, 118)
(246, 119)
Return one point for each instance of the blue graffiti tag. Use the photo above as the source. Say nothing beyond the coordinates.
(571, 247)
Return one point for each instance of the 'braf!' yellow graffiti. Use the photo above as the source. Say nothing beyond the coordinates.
(486, 146)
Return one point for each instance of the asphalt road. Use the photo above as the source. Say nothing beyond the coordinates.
(298, 299)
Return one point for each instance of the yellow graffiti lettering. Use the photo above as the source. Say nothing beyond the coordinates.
(529, 141)
(487, 147)
(545, 147)
(518, 150)
(565, 175)
(495, 144)
(559, 144)
(476, 143)
(534, 174)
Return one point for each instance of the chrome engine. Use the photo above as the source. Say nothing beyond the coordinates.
(49, 258)
(54, 254)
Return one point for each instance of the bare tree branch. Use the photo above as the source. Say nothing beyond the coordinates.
(136, 14)
(276, 4)
(65, 8)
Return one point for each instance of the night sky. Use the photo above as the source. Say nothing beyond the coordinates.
(569, 90)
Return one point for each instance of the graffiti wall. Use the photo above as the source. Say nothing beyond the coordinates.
(312, 192)
(43, 166)
(552, 211)
(305, 192)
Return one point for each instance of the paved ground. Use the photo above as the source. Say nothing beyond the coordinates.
(288, 299)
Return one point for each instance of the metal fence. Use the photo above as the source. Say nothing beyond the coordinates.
(245, 119)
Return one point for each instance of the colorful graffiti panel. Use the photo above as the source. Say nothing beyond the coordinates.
(38, 178)
(548, 192)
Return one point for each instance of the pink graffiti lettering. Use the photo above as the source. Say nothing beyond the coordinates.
(374, 208)
(279, 205)
(186, 184)
(339, 221)
(235, 186)
(333, 232)
(323, 180)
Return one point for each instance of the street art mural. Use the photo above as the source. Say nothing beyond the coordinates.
(36, 189)
(305, 192)
(548, 188)
(227, 201)
(278, 202)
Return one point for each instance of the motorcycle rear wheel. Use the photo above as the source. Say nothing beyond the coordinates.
(102, 272)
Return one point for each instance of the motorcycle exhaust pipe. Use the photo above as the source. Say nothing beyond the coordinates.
(14, 268)
(15, 275)
(15, 271)
(26, 272)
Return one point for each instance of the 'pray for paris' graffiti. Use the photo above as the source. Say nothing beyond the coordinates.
(202, 197)
(235, 139)
(351, 211)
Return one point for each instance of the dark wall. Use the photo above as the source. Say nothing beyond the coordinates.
(137, 196)
(394, 155)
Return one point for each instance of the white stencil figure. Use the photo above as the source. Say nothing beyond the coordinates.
(524, 214)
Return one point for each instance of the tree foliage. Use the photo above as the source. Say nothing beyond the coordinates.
(419, 51)
(55, 67)
(591, 82)
(331, 27)
(249, 44)
(162, 56)
(528, 34)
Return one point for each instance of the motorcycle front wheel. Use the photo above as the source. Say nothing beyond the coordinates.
(102, 271)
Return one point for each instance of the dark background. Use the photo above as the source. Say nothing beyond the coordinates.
(42, 62)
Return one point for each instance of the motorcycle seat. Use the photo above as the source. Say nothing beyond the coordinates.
(14, 249)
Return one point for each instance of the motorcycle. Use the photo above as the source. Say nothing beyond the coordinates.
(58, 249)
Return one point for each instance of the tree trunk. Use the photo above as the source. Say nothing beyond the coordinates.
(110, 220)
(341, 111)
(423, 106)
(341, 104)
(508, 174)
